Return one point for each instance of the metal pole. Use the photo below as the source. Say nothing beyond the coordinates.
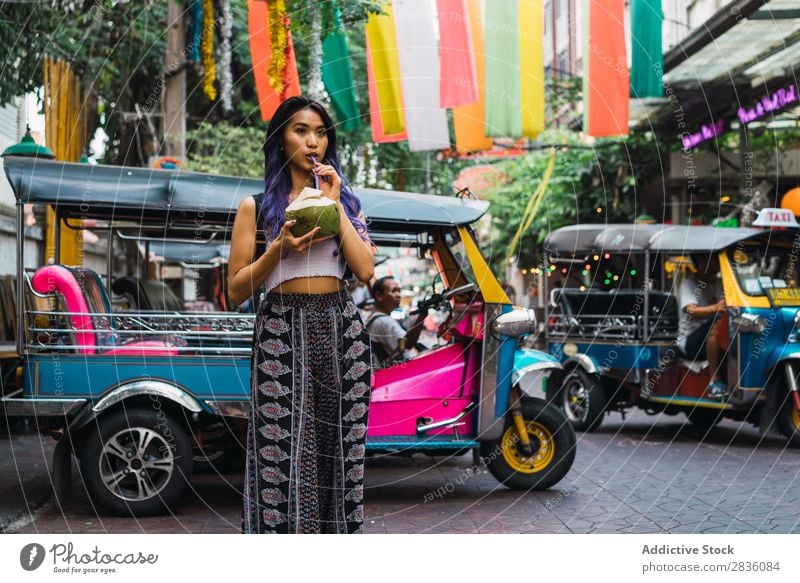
(646, 327)
(108, 258)
(20, 276)
(56, 236)
(546, 298)
(428, 172)
(146, 260)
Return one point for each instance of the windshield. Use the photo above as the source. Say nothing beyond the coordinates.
(456, 247)
(767, 270)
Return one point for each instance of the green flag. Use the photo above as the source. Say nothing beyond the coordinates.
(337, 76)
(647, 60)
(503, 86)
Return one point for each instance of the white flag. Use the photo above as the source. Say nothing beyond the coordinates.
(418, 51)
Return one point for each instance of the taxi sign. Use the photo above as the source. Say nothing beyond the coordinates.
(784, 296)
(775, 217)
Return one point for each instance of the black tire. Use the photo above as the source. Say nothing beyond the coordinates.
(218, 461)
(582, 398)
(218, 457)
(553, 441)
(704, 418)
(113, 450)
(789, 421)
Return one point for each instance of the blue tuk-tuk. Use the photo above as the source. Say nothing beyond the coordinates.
(613, 321)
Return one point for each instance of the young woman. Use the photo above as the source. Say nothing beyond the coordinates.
(311, 361)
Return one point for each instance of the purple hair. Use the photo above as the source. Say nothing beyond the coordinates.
(278, 180)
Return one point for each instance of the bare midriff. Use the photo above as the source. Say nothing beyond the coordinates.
(309, 285)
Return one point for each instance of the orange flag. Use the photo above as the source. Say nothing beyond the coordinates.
(468, 120)
(606, 82)
(261, 54)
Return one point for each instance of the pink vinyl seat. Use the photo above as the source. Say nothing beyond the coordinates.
(84, 294)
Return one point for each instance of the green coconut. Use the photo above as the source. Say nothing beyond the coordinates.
(312, 209)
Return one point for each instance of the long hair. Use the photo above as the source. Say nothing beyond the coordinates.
(277, 177)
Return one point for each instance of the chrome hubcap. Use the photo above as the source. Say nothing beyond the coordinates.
(136, 464)
(574, 398)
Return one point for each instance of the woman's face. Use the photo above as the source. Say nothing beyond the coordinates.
(303, 137)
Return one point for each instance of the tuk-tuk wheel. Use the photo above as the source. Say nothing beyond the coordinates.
(789, 421)
(136, 462)
(582, 398)
(553, 441)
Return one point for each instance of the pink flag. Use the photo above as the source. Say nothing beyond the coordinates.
(458, 83)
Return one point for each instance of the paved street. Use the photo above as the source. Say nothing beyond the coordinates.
(650, 474)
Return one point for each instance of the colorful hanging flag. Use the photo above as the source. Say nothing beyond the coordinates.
(261, 54)
(503, 87)
(469, 120)
(338, 77)
(459, 77)
(417, 48)
(606, 82)
(531, 60)
(647, 59)
(380, 30)
(379, 135)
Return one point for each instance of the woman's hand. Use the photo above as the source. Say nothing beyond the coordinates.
(330, 183)
(285, 240)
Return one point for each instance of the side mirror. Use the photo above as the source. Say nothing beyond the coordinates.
(515, 323)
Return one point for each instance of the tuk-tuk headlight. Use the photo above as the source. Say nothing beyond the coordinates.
(514, 323)
(795, 332)
(749, 323)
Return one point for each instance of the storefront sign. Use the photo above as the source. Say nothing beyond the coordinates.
(707, 132)
(769, 103)
(776, 100)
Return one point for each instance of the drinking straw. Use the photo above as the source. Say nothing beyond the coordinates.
(316, 178)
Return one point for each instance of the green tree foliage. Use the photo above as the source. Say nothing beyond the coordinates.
(224, 148)
(604, 175)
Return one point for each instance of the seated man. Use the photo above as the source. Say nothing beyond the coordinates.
(387, 336)
(702, 304)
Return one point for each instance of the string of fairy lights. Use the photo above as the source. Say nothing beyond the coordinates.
(609, 277)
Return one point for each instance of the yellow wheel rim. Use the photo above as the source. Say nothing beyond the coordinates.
(795, 419)
(542, 456)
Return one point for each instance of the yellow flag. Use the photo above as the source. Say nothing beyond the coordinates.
(531, 64)
(383, 49)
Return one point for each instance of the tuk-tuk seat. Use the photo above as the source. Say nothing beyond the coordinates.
(598, 313)
(87, 302)
(147, 295)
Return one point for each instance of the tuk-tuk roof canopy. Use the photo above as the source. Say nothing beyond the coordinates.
(183, 198)
(572, 241)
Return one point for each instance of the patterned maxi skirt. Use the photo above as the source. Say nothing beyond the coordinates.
(310, 390)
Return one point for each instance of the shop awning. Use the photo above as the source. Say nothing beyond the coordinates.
(744, 56)
(745, 41)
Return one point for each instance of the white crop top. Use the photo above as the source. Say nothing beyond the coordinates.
(322, 259)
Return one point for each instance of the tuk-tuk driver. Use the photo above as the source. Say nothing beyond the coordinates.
(702, 305)
(387, 337)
